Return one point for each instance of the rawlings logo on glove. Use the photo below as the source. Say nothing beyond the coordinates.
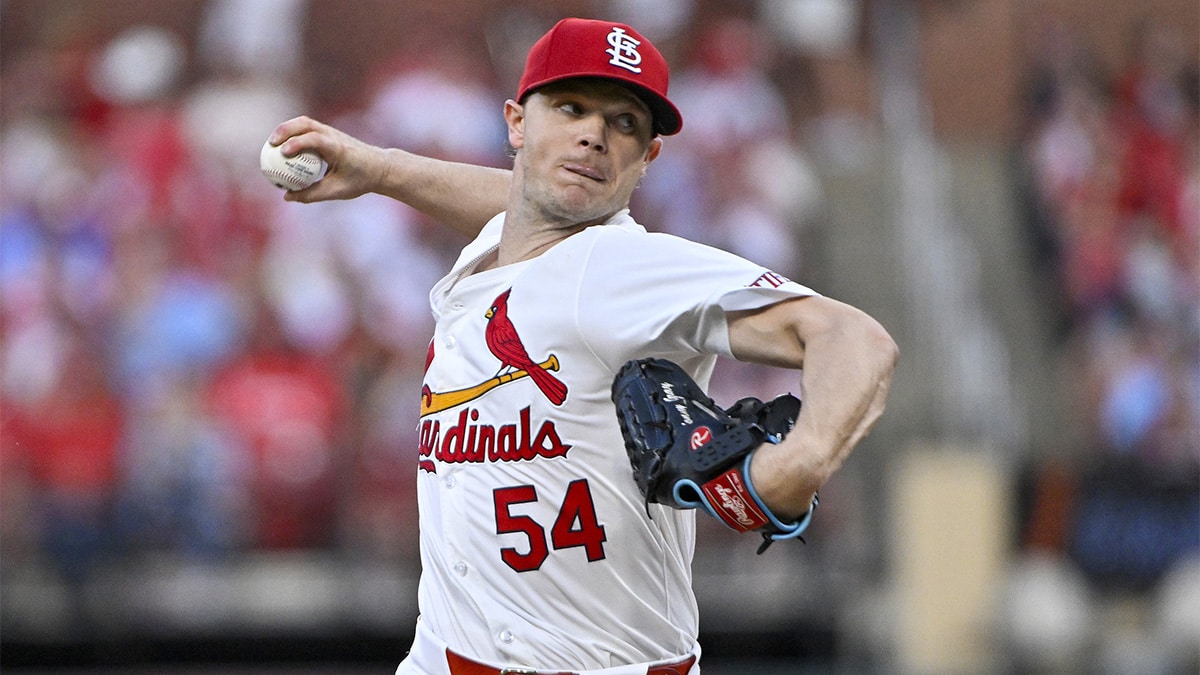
(687, 453)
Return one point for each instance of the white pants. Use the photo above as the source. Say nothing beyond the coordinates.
(428, 657)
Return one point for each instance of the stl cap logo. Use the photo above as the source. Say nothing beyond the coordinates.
(624, 50)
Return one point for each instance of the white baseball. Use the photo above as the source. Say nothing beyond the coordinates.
(291, 173)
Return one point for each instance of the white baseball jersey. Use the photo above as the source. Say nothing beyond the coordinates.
(536, 546)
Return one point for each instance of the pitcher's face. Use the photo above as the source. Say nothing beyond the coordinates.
(582, 146)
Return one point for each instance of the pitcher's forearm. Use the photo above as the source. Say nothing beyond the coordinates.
(847, 359)
(461, 196)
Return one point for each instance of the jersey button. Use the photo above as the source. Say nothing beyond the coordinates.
(460, 568)
(458, 306)
(451, 481)
(506, 637)
(450, 341)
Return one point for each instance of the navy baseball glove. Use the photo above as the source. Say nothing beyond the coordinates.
(688, 453)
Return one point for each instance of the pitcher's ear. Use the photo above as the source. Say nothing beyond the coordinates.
(514, 117)
(656, 144)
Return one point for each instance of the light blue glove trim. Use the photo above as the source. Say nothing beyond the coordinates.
(701, 503)
(790, 530)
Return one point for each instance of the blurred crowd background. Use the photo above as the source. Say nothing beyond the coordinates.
(208, 396)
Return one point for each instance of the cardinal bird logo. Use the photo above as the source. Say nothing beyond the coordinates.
(505, 344)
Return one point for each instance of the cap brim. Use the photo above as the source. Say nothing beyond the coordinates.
(667, 120)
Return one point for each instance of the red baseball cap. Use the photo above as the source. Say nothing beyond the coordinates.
(590, 48)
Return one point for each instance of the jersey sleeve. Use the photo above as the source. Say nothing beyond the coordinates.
(653, 294)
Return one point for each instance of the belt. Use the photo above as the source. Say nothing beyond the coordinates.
(461, 665)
